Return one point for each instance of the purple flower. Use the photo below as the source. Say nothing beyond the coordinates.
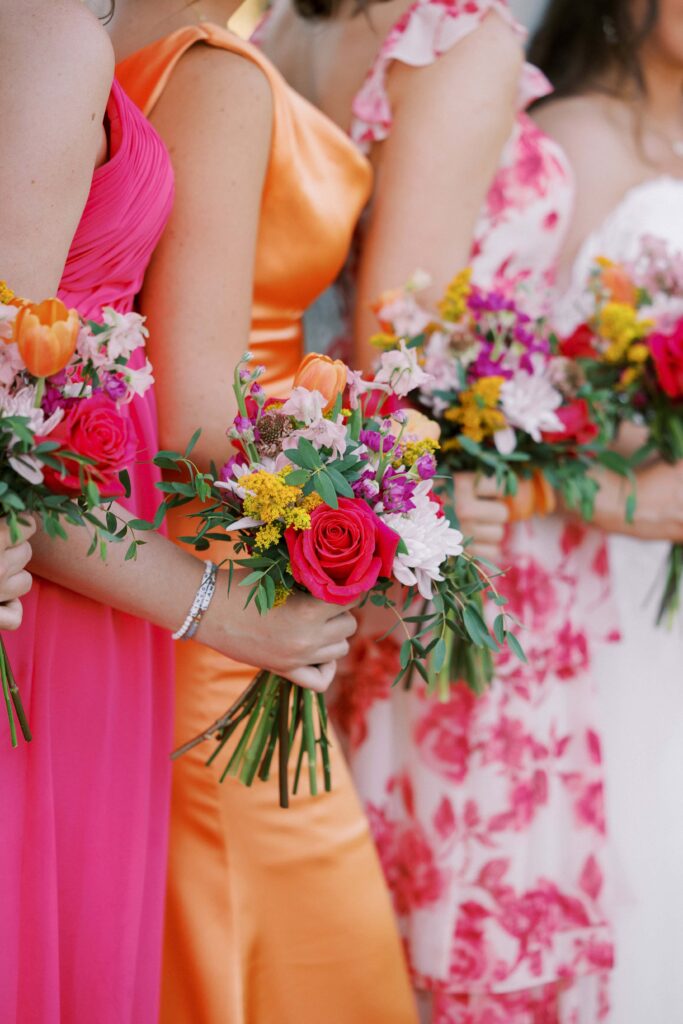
(397, 491)
(228, 470)
(115, 387)
(242, 424)
(366, 487)
(373, 440)
(426, 466)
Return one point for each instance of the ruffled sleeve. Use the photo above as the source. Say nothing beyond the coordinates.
(428, 29)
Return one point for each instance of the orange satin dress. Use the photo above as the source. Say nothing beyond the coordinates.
(273, 916)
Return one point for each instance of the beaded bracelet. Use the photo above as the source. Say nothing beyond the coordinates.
(202, 600)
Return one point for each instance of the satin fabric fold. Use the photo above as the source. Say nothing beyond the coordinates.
(273, 916)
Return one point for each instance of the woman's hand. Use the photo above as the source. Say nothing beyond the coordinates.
(659, 504)
(15, 581)
(482, 513)
(302, 639)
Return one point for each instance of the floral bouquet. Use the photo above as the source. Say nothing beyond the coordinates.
(631, 346)
(65, 441)
(332, 493)
(509, 403)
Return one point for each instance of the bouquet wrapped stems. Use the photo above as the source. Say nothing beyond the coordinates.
(10, 692)
(274, 713)
(670, 602)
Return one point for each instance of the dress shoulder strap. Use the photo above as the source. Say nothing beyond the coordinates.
(145, 74)
(427, 30)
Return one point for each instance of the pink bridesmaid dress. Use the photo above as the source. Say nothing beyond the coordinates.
(84, 807)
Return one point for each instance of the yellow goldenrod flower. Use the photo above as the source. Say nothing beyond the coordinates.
(267, 536)
(281, 595)
(638, 353)
(384, 341)
(268, 496)
(297, 517)
(618, 323)
(453, 306)
(311, 501)
(629, 376)
(414, 450)
(478, 414)
(6, 293)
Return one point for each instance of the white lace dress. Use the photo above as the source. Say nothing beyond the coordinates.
(641, 688)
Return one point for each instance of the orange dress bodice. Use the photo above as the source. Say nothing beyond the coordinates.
(273, 916)
(316, 185)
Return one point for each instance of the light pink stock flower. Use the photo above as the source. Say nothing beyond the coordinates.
(304, 405)
(400, 371)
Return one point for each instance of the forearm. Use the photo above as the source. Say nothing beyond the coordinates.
(659, 503)
(158, 585)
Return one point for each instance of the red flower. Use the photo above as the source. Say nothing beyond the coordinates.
(344, 553)
(577, 423)
(94, 427)
(667, 353)
(580, 344)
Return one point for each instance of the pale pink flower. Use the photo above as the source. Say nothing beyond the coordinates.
(324, 433)
(11, 363)
(400, 371)
(7, 317)
(127, 332)
(138, 381)
(304, 406)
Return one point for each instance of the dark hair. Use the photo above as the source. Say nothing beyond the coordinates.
(579, 40)
(318, 10)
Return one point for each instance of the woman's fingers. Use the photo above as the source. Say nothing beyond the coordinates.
(15, 559)
(484, 533)
(314, 677)
(26, 531)
(11, 615)
(16, 586)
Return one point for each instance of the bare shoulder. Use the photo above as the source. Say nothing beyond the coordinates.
(224, 85)
(468, 64)
(582, 126)
(55, 39)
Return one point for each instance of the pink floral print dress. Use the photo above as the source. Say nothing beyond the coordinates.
(488, 812)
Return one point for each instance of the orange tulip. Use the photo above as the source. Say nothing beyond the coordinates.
(534, 497)
(320, 373)
(46, 334)
(618, 284)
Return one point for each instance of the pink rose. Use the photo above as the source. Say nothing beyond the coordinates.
(94, 427)
(667, 353)
(577, 424)
(344, 553)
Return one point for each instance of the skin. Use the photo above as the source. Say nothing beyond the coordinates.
(423, 213)
(44, 198)
(302, 639)
(615, 142)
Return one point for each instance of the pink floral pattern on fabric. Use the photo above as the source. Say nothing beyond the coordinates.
(521, 227)
(488, 812)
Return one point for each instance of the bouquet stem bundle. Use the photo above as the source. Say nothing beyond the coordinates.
(278, 715)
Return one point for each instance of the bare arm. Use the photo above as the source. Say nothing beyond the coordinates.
(659, 506)
(56, 67)
(198, 292)
(451, 122)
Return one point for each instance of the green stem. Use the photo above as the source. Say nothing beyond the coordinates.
(16, 699)
(233, 766)
(283, 749)
(253, 756)
(6, 693)
(324, 741)
(225, 720)
(309, 740)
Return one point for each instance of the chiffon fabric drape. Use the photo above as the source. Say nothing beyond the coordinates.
(84, 807)
(488, 812)
(273, 916)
